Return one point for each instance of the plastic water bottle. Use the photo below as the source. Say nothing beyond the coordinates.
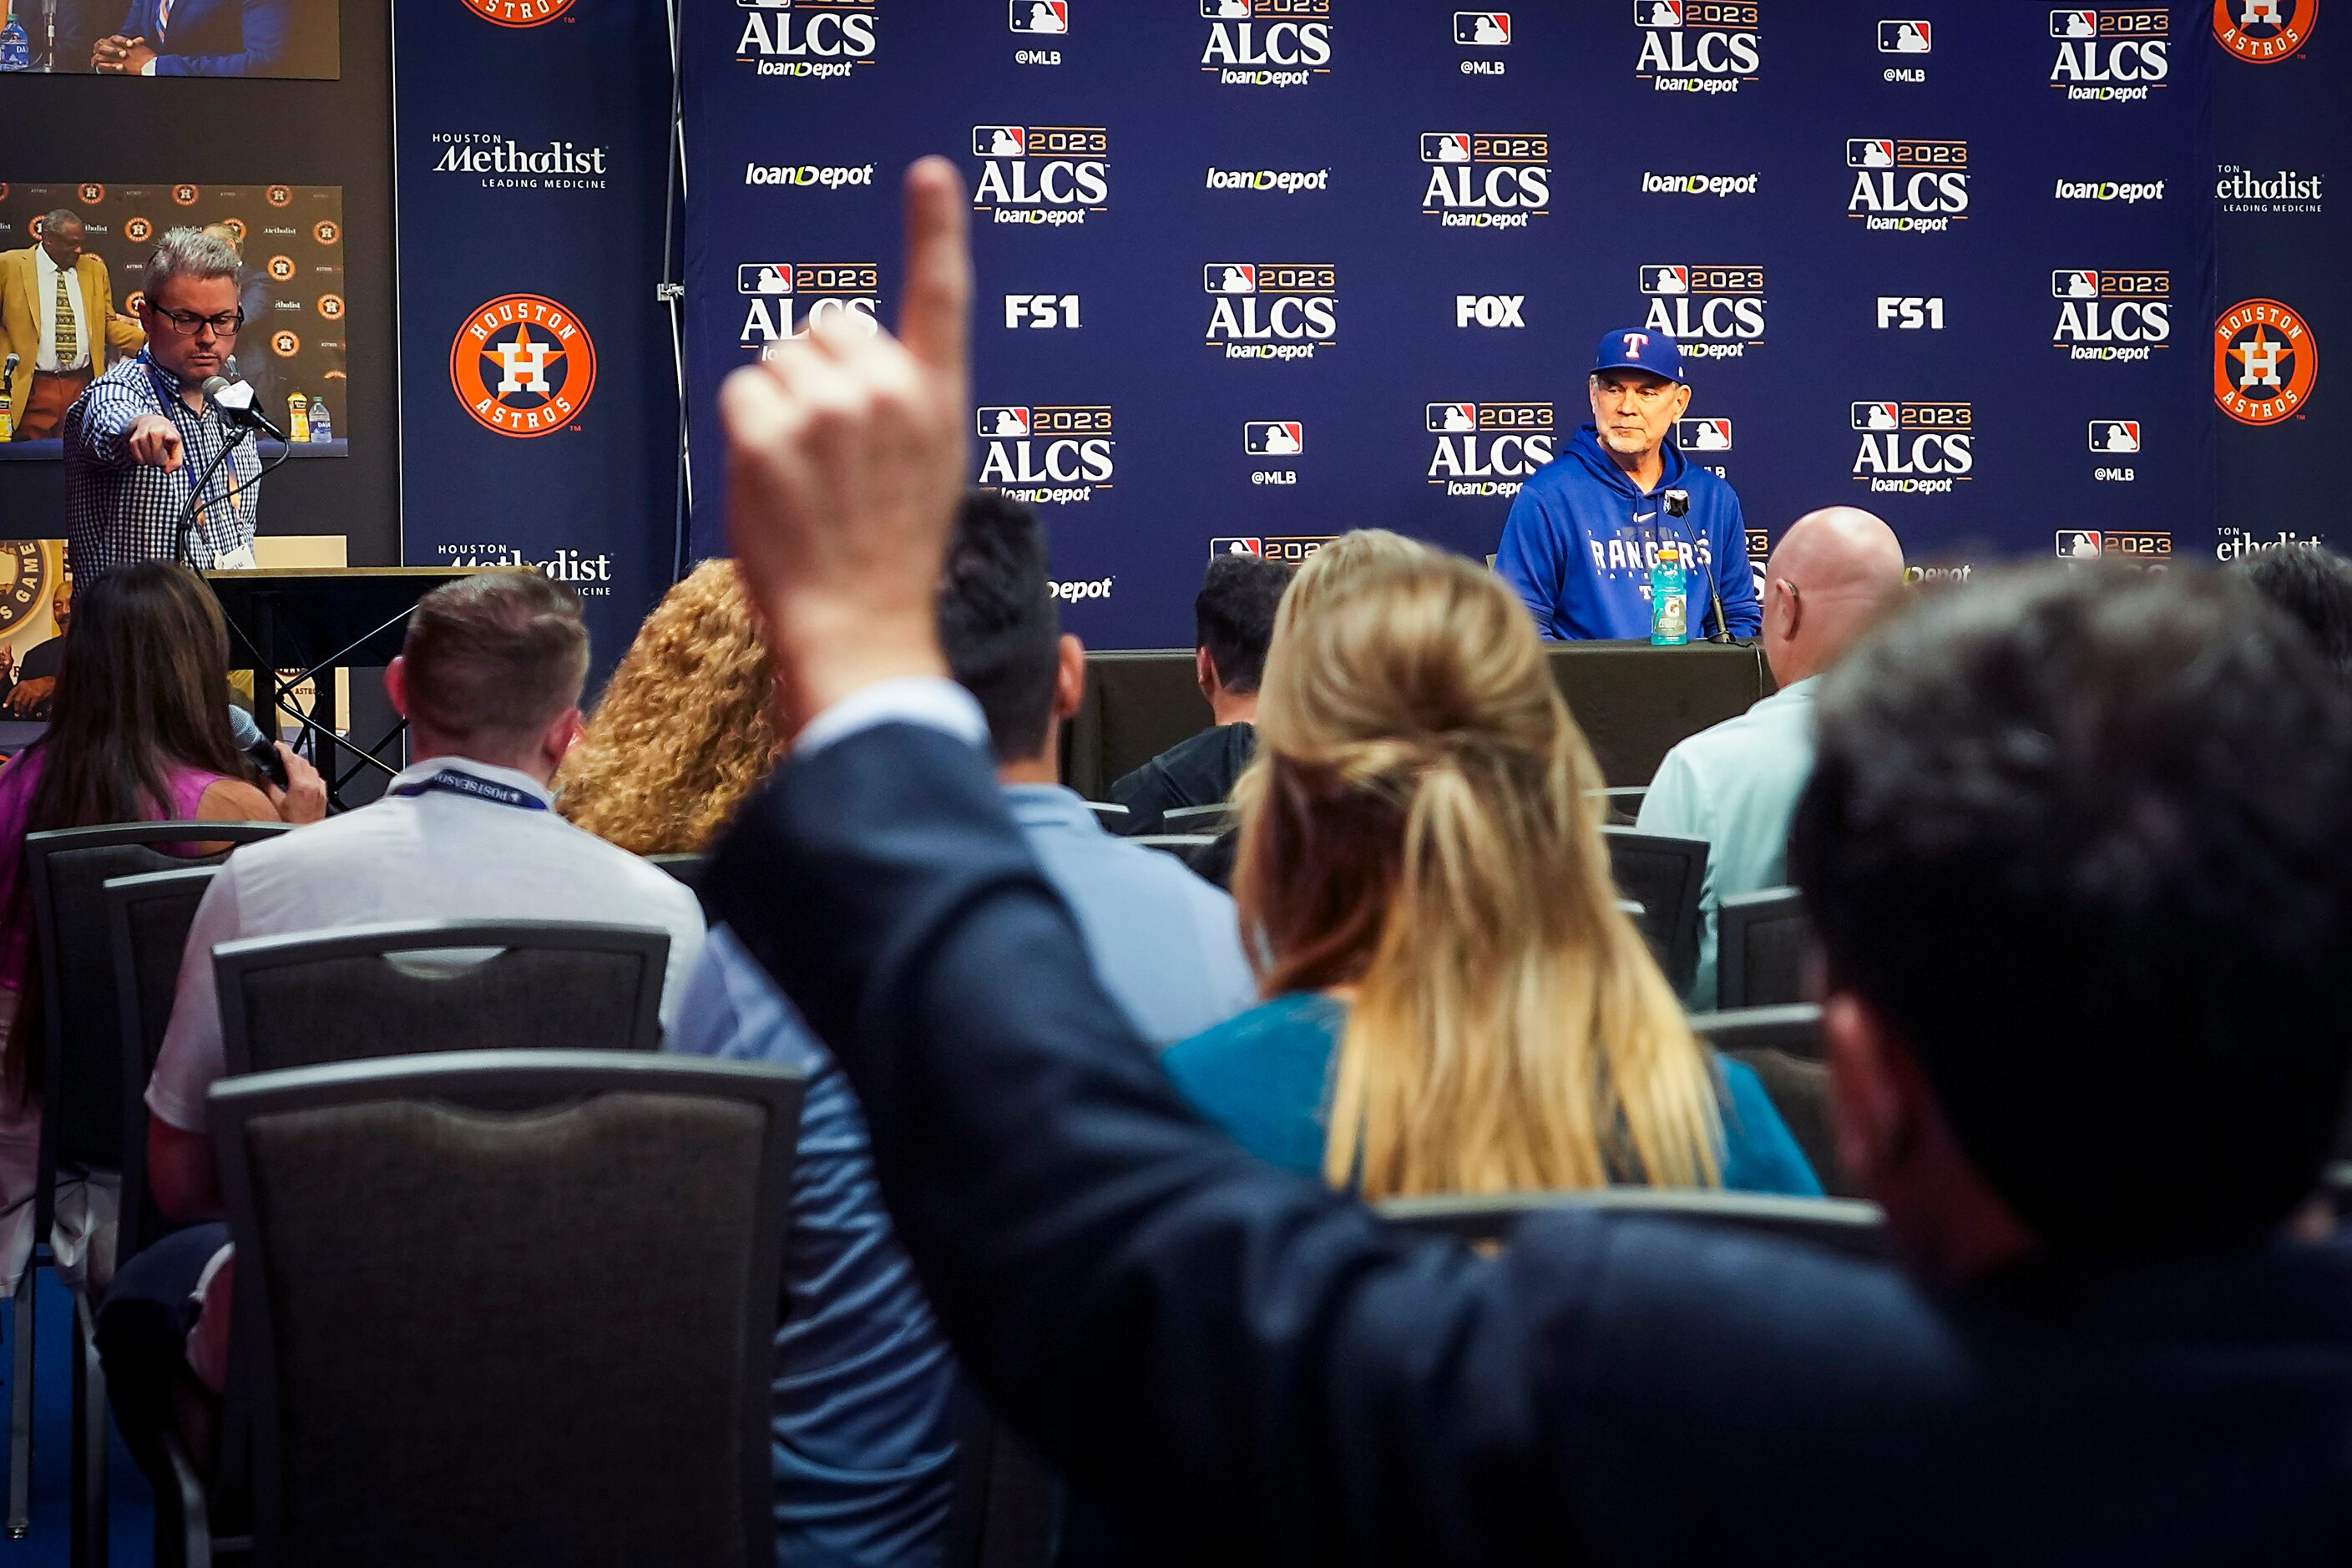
(15, 48)
(322, 425)
(1669, 599)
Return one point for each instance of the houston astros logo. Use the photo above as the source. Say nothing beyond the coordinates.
(2264, 31)
(138, 230)
(524, 365)
(518, 12)
(93, 193)
(2264, 362)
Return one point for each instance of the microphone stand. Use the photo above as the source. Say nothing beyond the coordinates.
(187, 554)
(1722, 634)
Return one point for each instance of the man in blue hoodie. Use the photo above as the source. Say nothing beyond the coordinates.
(1586, 529)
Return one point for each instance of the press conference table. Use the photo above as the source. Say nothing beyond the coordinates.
(1633, 701)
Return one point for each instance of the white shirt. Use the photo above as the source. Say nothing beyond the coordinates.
(430, 857)
(45, 302)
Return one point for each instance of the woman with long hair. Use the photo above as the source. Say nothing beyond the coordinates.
(1457, 1003)
(685, 728)
(139, 731)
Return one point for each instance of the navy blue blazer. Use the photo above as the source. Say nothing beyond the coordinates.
(1243, 1362)
(218, 37)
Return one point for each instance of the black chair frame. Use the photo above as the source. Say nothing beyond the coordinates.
(1794, 1028)
(1737, 918)
(1839, 1224)
(1672, 929)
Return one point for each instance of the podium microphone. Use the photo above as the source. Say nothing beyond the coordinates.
(235, 400)
(1676, 505)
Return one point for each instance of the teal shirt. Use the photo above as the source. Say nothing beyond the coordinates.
(1265, 1077)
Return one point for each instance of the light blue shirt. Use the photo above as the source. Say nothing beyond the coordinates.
(1735, 785)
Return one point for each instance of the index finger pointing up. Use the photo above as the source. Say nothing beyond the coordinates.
(935, 311)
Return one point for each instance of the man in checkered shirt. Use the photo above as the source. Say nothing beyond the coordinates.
(137, 440)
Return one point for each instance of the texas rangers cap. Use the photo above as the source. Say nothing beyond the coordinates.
(1635, 348)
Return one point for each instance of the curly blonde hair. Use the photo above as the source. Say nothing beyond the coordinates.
(685, 728)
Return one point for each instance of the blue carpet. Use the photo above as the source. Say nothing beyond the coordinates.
(132, 1521)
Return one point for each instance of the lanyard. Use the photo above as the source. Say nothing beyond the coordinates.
(450, 782)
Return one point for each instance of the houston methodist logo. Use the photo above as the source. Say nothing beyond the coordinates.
(1696, 46)
(1041, 174)
(524, 365)
(2264, 31)
(1913, 448)
(1485, 179)
(1044, 454)
(1714, 311)
(783, 300)
(821, 40)
(2264, 362)
(1267, 43)
(2111, 56)
(2110, 315)
(1488, 448)
(1271, 310)
(1907, 185)
(518, 12)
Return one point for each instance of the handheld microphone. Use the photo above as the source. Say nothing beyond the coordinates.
(1676, 505)
(235, 400)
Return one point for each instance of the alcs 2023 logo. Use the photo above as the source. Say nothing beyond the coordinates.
(2109, 55)
(1489, 448)
(1696, 46)
(524, 365)
(1041, 174)
(1267, 43)
(1046, 454)
(1485, 179)
(823, 40)
(782, 299)
(2112, 315)
(1271, 310)
(1714, 311)
(1907, 184)
(1913, 448)
(2265, 361)
(2264, 32)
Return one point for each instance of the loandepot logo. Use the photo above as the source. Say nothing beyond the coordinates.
(1267, 43)
(2112, 316)
(1488, 448)
(2110, 55)
(1047, 454)
(823, 40)
(2264, 32)
(1284, 182)
(1714, 311)
(1696, 46)
(1716, 185)
(1485, 179)
(2126, 192)
(1907, 185)
(1271, 309)
(820, 176)
(1913, 448)
(1053, 175)
(783, 300)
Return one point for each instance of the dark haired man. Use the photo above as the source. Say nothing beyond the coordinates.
(1233, 622)
(2313, 585)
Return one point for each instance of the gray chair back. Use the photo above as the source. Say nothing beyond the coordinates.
(353, 995)
(476, 1331)
(688, 871)
(1211, 819)
(1621, 805)
(147, 921)
(1111, 814)
(1760, 945)
(1663, 874)
(1858, 1229)
(1793, 1029)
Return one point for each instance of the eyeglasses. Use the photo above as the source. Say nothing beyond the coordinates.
(187, 323)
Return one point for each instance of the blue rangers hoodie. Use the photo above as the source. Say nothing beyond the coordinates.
(1581, 539)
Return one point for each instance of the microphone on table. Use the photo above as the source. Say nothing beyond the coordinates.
(1676, 505)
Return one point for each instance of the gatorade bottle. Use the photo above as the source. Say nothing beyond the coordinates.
(7, 431)
(1669, 599)
(322, 425)
(15, 48)
(298, 416)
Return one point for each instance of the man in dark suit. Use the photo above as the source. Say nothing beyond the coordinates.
(207, 38)
(2078, 854)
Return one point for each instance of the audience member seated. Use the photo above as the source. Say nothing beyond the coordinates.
(684, 728)
(488, 679)
(1735, 784)
(140, 733)
(2313, 585)
(1232, 620)
(1459, 1005)
(865, 1434)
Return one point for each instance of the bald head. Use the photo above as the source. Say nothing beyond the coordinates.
(1831, 575)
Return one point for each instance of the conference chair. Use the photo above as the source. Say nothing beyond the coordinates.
(1184, 845)
(1794, 1028)
(1857, 1229)
(1209, 819)
(1782, 1045)
(688, 870)
(83, 1093)
(147, 920)
(1664, 875)
(1112, 816)
(1761, 943)
(1622, 805)
(603, 1394)
(372, 991)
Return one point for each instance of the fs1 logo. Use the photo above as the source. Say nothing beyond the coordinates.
(1485, 179)
(1482, 29)
(1274, 439)
(1271, 310)
(2140, 546)
(1912, 37)
(819, 39)
(1907, 185)
(1696, 46)
(2264, 32)
(1051, 17)
(1052, 174)
(1049, 456)
(522, 365)
(2115, 316)
(1913, 448)
(1489, 448)
(2265, 361)
(783, 300)
(2109, 56)
(1714, 312)
(1703, 435)
(1267, 43)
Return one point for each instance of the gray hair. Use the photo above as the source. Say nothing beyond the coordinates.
(189, 253)
(63, 215)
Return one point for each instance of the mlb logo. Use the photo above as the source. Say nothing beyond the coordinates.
(2067, 283)
(1906, 37)
(1878, 416)
(2114, 435)
(1666, 279)
(1491, 28)
(764, 277)
(1446, 146)
(764, 5)
(1446, 418)
(1229, 278)
(1274, 438)
(2075, 25)
(1227, 10)
(999, 142)
(1003, 422)
(1703, 435)
(1869, 153)
(1236, 547)
(1657, 13)
(2081, 543)
(1040, 15)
